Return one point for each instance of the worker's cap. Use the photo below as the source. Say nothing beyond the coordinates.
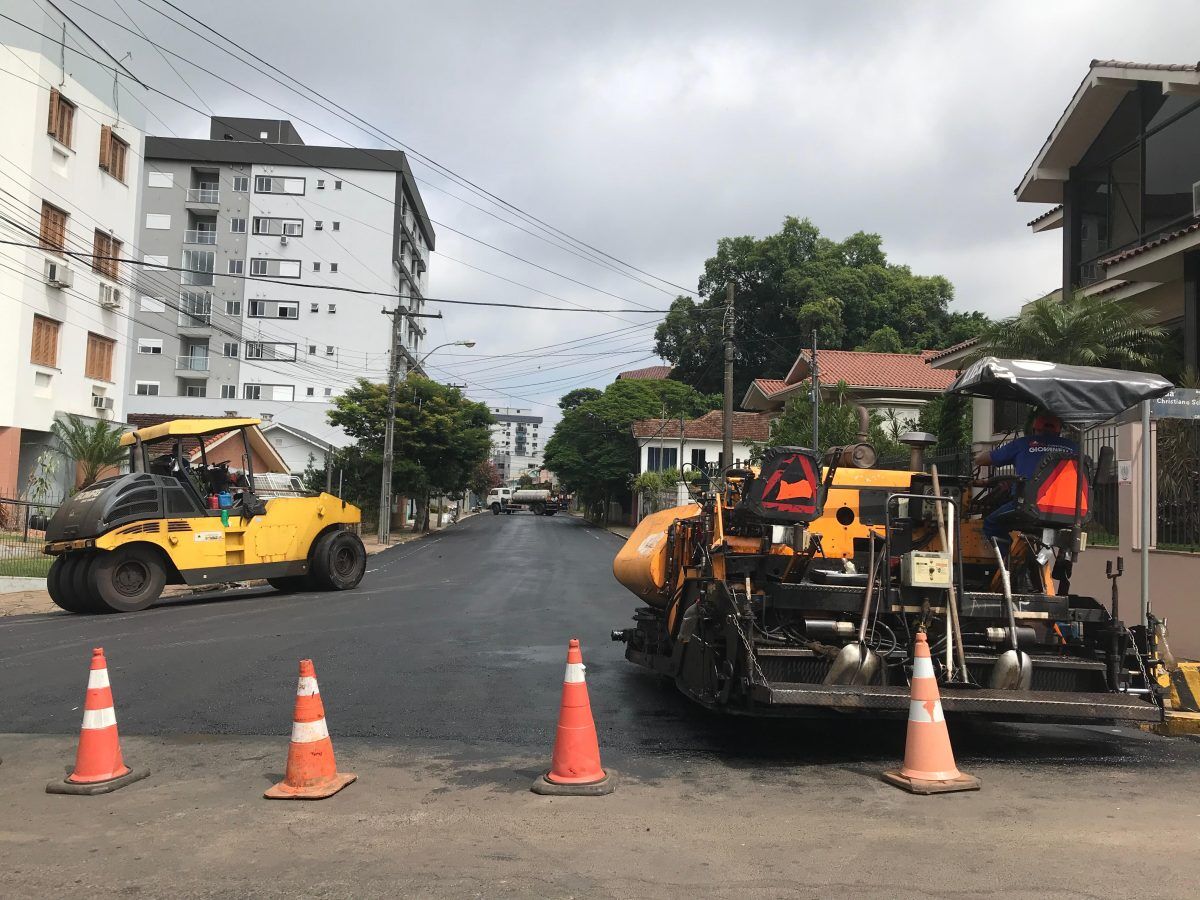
(1046, 422)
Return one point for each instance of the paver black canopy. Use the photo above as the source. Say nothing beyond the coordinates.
(1082, 396)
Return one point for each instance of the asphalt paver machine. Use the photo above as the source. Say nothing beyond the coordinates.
(798, 587)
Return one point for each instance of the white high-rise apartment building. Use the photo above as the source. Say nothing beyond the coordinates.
(517, 447)
(270, 232)
(70, 166)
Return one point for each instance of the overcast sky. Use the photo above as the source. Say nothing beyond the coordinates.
(650, 130)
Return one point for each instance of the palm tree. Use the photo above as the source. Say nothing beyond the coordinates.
(94, 447)
(1078, 330)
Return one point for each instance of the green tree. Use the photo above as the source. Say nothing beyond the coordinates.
(793, 282)
(1078, 330)
(572, 399)
(484, 477)
(884, 340)
(839, 424)
(438, 440)
(93, 447)
(593, 450)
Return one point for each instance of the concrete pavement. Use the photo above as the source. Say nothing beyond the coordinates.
(441, 677)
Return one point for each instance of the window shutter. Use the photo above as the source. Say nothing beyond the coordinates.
(106, 148)
(52, 123)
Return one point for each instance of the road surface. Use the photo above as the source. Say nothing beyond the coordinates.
(441, 676)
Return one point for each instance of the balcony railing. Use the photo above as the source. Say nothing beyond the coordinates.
(199, 279)
(204, 195)
(199, 237)
(191, 363)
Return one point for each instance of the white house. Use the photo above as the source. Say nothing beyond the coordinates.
(662, 442)
(70, 166)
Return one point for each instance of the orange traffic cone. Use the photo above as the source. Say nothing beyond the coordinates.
(311, 771)
(99, 767)
(928, 758)
(575, 764)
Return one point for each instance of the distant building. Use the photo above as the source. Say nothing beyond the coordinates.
(661, 440)
(882, 382)
(516, 445)
(649, 373)
(266, 229)
(70, 172)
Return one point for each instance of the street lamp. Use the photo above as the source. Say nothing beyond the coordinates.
(385, 487)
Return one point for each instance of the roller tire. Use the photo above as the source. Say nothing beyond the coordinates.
(291, 584)
(59, 583)
(495, 509)
(128, 579)
(83, 584)
(338, 561)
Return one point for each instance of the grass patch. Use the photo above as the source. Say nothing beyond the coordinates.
(26, 566)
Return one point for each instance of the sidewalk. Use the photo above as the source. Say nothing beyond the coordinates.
(621, 531)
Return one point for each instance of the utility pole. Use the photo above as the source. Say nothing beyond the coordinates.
(385, 487)
(816, 397)
(727, 418)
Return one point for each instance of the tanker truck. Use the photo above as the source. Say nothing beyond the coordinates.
(538, 501)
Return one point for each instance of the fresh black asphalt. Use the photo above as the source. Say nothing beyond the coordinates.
(458, 637)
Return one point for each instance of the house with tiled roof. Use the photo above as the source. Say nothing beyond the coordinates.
(649, 373)
(1121, 171)
(878, 381)
(661, 442)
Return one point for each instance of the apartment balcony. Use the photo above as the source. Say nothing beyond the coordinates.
(199, 237)
(196, 279)
(194, 366)
(204, 195)
(195, 310)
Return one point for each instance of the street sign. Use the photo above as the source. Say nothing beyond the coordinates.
(1180, 403)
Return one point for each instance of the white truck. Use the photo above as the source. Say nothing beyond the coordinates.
(538, 501)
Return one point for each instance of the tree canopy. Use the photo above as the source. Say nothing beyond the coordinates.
(440, 437)
(790, 283)
(593, 451)
(93, 447)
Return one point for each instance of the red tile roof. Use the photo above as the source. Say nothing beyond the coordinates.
(747, 426)
(860, 369)
(1150, 245)
(953, 348)
(650, 373)
(770, 386)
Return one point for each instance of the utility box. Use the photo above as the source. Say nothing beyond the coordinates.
(925, 569)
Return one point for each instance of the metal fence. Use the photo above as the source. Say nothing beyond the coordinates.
(1177, 447)
(22, 537)
(1105, 525)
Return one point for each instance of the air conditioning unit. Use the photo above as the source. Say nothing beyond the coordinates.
(283, 239)
(1196, 198)
(99, 401)
(110, 297)
(58, 275)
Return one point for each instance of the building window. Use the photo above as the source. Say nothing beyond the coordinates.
(337, 226)
(113, 152)
(44, 351)
(237, 266)
(333, 307)
(314, 307)
(275, 268)
(241, 183)
(320, 184)
(233, 307)
(237, 225)
(272, 350)
(146, 388)
(105, 252)
(98, 362)
(150, 345)
(274, 309)
(228, 391)
(319, 225)
(266, 184)
(54, 227)
(337, 185)
(230, 348)
(333, 267)
(329, 349)
(198, 267)
(328, 392)
(252, 392)
(660, 458)
(699, 459)
(316, 268)
(310, 392)
(195, 390)
(62, 117)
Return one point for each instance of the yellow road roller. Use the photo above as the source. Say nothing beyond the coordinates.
(193, 510)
